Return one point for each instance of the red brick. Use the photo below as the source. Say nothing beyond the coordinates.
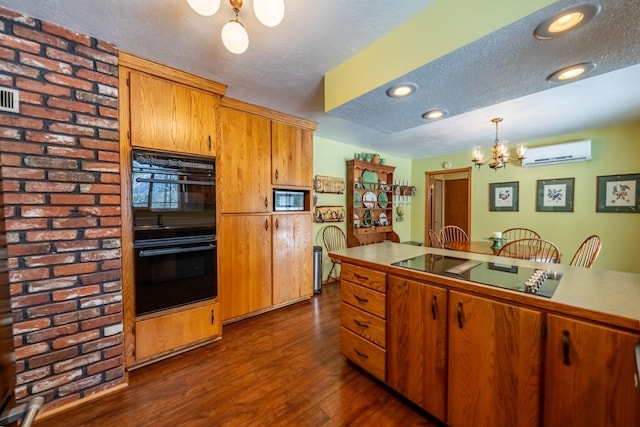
(21, 70)
(37, 36)
(81, 384)
(100, 277)
(110, 178)
(75, 245)
(19, 43)
(107, 68)
(31, 350)
(7, 54)
(23, 199)
(52, 357)
(96, 121)
(107, 57)
(10, 133)
(42, 87)
(27, 97)
(10, 159)
(99, 233)
(23, 173)
(72, 199)
(71, 152)
(100, 322)
(100, 166)
(108, 112)
(71, 176)
(51, 259)
(79, 269)
(76, 223)
(95, 98)
(95, 76)
(75, 339)
(113, 308)
(20, 122)
(111, 264)
(100, 211)
(73, 293)
(38, 61)
(65, 33)
(46, 236)
(107, 134)
(107, 47)
(55, 381)
(29, 249)
(100, 300)
(30, 300)
(68, 81)
(52, 284)
(100, 188)
(44, 335)
(50, 138)
(25, 224)
(45, 113)
(109, 90)
(72, 129)
(76, 316)
(33, 374)
(31, 325)
(110, 200)
(100, 255)
(105, 365)
(101, 144)
(49, 187)
(76, 362)
(6, 80)
(45, 211)
(61, 55)
(71, 105)
(52, 309)
(28, 274)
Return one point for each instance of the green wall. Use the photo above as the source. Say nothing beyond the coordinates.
(329, 159)
(615, 150)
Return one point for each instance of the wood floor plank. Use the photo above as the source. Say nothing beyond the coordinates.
(281, 368)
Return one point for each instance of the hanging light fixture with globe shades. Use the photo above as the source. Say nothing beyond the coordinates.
(499, 152)
(234, 36)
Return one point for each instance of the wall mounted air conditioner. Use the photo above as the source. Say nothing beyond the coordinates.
(578, 151)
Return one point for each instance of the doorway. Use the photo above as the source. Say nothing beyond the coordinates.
(448, 200)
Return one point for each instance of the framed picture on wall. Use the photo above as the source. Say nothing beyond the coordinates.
(503, 196)
(555, 195)
(618, 193)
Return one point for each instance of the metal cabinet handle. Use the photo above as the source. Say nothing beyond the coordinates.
(565, 348)
(360, 323)
(364, 356)
(277, 226)
(266, 224)
(360, 299)
(459, 314)
(210, 143)
(277, 174)
(213, 317)
(434, 307)
(266, 202)
(360, 277)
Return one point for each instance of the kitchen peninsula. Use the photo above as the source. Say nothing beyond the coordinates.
(460, 335)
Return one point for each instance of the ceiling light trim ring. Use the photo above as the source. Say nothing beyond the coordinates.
(588, 10)
(402, 90)
(561, 75)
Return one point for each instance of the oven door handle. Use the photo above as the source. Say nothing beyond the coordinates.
(170, 251)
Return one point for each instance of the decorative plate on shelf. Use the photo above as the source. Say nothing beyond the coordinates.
(356, 220)
(369, 180)
(369, 199)
(383, 201)
(382, 219)
(367, 218)
(357, 200)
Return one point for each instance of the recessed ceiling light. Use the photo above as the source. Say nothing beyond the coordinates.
(435, 114)
(401, 90)
(572, 72)
(566, 20)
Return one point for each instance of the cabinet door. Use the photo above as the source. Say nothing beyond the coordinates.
(590, 375)
(243, 168)
(244, 260)
(494, 370)
(292, 257)
(416, 347)
(169, 332)
(291, 155)
(169, 116)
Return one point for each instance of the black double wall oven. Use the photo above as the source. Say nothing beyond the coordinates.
(174, 211)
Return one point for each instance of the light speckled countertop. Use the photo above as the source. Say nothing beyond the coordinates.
(611, 297)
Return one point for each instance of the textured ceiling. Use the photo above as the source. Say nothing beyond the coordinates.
(503, 74)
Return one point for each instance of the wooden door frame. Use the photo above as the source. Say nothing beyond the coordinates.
(429, 176)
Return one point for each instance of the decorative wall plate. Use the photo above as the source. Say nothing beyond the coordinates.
(369, 199)
(383, 201)
(367, 218)
(382, 219)
(357, 200)
(369, 180)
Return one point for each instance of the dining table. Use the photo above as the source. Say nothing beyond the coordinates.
(482, 247)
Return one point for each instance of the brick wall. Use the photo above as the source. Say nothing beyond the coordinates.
(60, 162)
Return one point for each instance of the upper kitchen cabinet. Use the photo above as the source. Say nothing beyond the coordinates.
(291, 155)
(170, 110)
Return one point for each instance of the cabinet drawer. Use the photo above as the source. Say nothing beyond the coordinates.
(364, 324)
(363, 353)
(364, 276)
(363, 298)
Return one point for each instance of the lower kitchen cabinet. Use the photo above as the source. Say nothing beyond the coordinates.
(292, 246)
(417, 343)
(591, 376)
(176, 329)
(494, 368)
(244, 264)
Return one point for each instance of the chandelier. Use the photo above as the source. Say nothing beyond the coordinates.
(499, 152)
(234, 36)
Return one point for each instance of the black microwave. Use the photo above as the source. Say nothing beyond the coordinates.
(286, 200)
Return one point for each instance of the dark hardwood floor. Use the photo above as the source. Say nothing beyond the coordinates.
(282, 368)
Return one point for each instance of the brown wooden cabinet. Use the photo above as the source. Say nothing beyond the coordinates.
(244, 260)
(243, 175)
(363, 317)
(369, 203)
(417, 343)
(292, 248)
(170, 116)
(494, 364)
(591, 375)
(291, 155)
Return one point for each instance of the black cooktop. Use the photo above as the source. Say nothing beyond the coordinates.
(535, 281)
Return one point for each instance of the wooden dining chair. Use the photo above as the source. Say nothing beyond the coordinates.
(588, 251)
(334, 239)
(519, 233)
(531, 249)
(434, 240)
(452, 233)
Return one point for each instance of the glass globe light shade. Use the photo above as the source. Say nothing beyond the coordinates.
(269, 12)
(204, 7)
(235, 37)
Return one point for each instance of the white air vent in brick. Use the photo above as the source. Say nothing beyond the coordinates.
(9, 100)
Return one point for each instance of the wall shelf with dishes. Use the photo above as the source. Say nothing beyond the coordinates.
(370, 205)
